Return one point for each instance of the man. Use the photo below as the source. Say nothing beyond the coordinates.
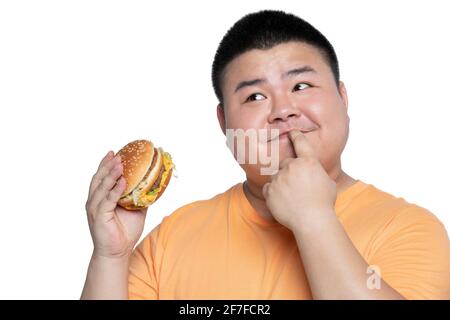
(306, 231)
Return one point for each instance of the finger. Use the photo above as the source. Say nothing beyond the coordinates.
(95, 179)
(110, 201)
(108, 156)
(116, 192)
(106, 185)
(285, 162)
(110, 179)
(265, 189)
(102, 172)
(301, 145)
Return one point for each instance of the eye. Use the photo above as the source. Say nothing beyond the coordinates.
(254, 97)
(302, 86)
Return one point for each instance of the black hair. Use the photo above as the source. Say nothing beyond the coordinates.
(264, 30)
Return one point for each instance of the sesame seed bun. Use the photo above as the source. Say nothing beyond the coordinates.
(145, 168)
(136, 158)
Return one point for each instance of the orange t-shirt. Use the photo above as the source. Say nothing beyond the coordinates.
(222, 248)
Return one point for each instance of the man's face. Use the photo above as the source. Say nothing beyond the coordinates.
(306, 99)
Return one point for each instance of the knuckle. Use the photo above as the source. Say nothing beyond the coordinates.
(99, 208)
(98, 177)
(110, 195)
(116, 170)
(90, 208)
(307, 160)
(95, 177)
(105, 182)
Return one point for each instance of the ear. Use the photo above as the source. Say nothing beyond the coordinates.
(221, 117)
(343, 94)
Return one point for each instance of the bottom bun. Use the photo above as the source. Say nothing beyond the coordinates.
(127, 203)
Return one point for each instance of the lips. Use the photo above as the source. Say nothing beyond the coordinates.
(302, 123)
(285, 133)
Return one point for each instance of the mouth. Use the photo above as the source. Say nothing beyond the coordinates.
(285, 134)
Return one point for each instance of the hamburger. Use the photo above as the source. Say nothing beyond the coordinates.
(147, 171)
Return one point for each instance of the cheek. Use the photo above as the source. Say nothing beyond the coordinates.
(243, 124)
(246, 117)
(332, 139)
(244, 120)
(331, 116)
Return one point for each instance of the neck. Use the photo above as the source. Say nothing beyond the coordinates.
(253, 191)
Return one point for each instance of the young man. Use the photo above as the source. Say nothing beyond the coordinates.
(307, 231)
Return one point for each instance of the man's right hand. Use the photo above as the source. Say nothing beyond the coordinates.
(114, 230)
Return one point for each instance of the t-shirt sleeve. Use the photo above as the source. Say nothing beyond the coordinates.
(142, 277)
(413, 255)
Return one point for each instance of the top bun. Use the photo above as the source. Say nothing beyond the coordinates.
(136, 159)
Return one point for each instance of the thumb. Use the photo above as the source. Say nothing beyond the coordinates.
(301, 145)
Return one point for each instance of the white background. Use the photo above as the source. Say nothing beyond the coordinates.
(78, 78)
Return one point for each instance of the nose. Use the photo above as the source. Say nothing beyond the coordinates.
(282, 110)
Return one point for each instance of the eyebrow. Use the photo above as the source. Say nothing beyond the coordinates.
(288, 74)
